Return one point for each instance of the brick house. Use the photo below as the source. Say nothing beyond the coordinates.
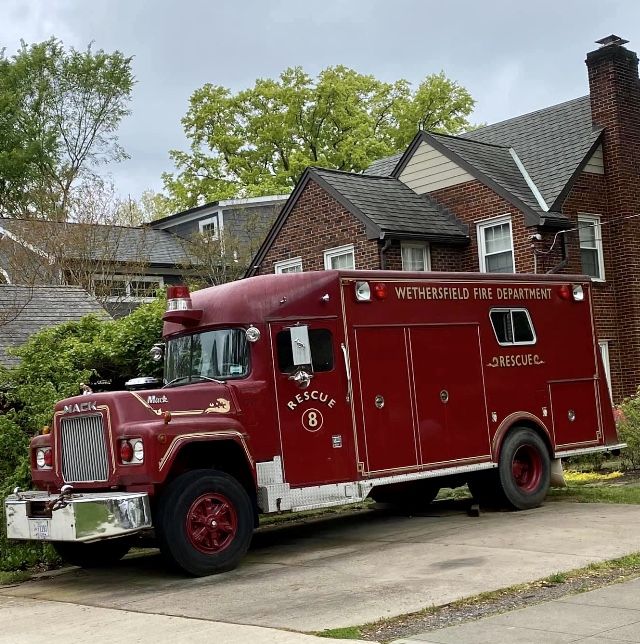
(556, 190)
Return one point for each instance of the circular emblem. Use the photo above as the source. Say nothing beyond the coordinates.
(312, 420)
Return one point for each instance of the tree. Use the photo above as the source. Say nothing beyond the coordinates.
(259, 141)
(59, 113)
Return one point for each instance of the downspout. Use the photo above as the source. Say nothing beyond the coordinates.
(565, 256)
(383, 249)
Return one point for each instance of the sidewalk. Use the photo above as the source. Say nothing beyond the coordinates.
(606, 615)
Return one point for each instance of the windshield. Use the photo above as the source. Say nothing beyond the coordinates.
(215, 355)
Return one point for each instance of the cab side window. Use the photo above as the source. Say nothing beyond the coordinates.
(512, 326)
(321, 342)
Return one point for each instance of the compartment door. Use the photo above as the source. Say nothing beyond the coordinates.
(387, 440)
(574, 406)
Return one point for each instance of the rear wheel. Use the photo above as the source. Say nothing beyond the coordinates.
(204, 522)
(93, 555)
(524, 469)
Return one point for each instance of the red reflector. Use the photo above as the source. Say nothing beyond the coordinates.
(177, 292)
(126, 452)
(565, 292)
(48, 458)
(380, 291)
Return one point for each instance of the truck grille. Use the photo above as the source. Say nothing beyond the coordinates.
(84, 451)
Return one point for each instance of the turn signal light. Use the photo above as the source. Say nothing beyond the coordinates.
(126, 451)
(131, 451)
(44, 458)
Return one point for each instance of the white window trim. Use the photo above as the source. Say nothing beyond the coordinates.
(330, 253)
(426, 253)
(216, 218)
(127, 279)
(282, 266)
(596, 222)
(604, 353)
(482, 251)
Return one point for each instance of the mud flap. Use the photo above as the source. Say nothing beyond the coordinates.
(557, 474)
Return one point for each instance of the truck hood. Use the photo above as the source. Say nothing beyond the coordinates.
(198, 399)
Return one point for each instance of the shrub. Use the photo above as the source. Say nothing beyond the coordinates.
(629, 431)
(52, 365)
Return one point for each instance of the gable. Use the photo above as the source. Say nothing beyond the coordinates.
(428, 170)
(595, 163)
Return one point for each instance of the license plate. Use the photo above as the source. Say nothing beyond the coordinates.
(40, 529)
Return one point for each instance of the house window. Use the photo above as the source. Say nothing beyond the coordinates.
(119, 288)
(604, 353)
(415, 256)
(591, 246)
(288, 266)
(210, 227)
(340, 257)
(495, 245)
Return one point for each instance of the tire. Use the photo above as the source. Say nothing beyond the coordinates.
(204, 522)
(100, 554)
(524, 469)
(416, 496)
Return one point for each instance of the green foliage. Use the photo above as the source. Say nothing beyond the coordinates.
(54, 362)
(629, 431)
(59, 113)
(259, 141)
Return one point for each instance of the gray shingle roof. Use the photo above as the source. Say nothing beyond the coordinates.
(100, 242)
(25, 310)
(551, 143)
(384, 167)
(393, 207)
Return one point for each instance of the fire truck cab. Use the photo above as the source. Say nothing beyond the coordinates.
(308, 390)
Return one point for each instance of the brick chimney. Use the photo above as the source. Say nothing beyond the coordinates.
(614, 90)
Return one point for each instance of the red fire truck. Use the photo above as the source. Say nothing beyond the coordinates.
(308, 390)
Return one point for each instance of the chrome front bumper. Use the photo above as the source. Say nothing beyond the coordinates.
(82, 517)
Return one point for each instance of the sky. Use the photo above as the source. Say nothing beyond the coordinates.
(513, 56)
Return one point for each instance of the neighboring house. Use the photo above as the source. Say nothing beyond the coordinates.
(224, 235)
(122, 266)
(25, 310)
(557, 190)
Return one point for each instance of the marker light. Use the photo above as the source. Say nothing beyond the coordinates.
(564, 292)
(126, 452)
(578, 293)
(363, 292)
(380, 291)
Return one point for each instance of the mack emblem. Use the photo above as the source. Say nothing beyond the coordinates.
(157, 400)
(78, 407)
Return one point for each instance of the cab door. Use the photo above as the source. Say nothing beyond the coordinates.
(314, 413)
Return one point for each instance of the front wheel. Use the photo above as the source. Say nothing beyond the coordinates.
(524, 469)
(204, 522)
(99, 554)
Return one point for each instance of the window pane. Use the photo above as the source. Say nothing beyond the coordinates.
(140, 288)
(497, 238)
(295, 268)
(220, 354)
(344, 260)
(321, 350)
(413, 258)
(110, 288)
(587, 234)
(500, 262)
(590, 264)
(522, 331)
(501, 321)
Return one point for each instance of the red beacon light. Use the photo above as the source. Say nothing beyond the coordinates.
(572, 292)
(380, 291)
(179, 306)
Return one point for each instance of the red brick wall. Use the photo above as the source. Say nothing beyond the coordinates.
(316, 223)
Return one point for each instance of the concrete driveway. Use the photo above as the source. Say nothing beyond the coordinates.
(358, 568)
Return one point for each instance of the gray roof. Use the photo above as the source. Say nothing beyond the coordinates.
(25, 310)
(392, 207)
(384, 167)
(551, 143)
(120, 244)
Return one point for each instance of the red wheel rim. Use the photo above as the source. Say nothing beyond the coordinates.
(526, 468)
(212, 523)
